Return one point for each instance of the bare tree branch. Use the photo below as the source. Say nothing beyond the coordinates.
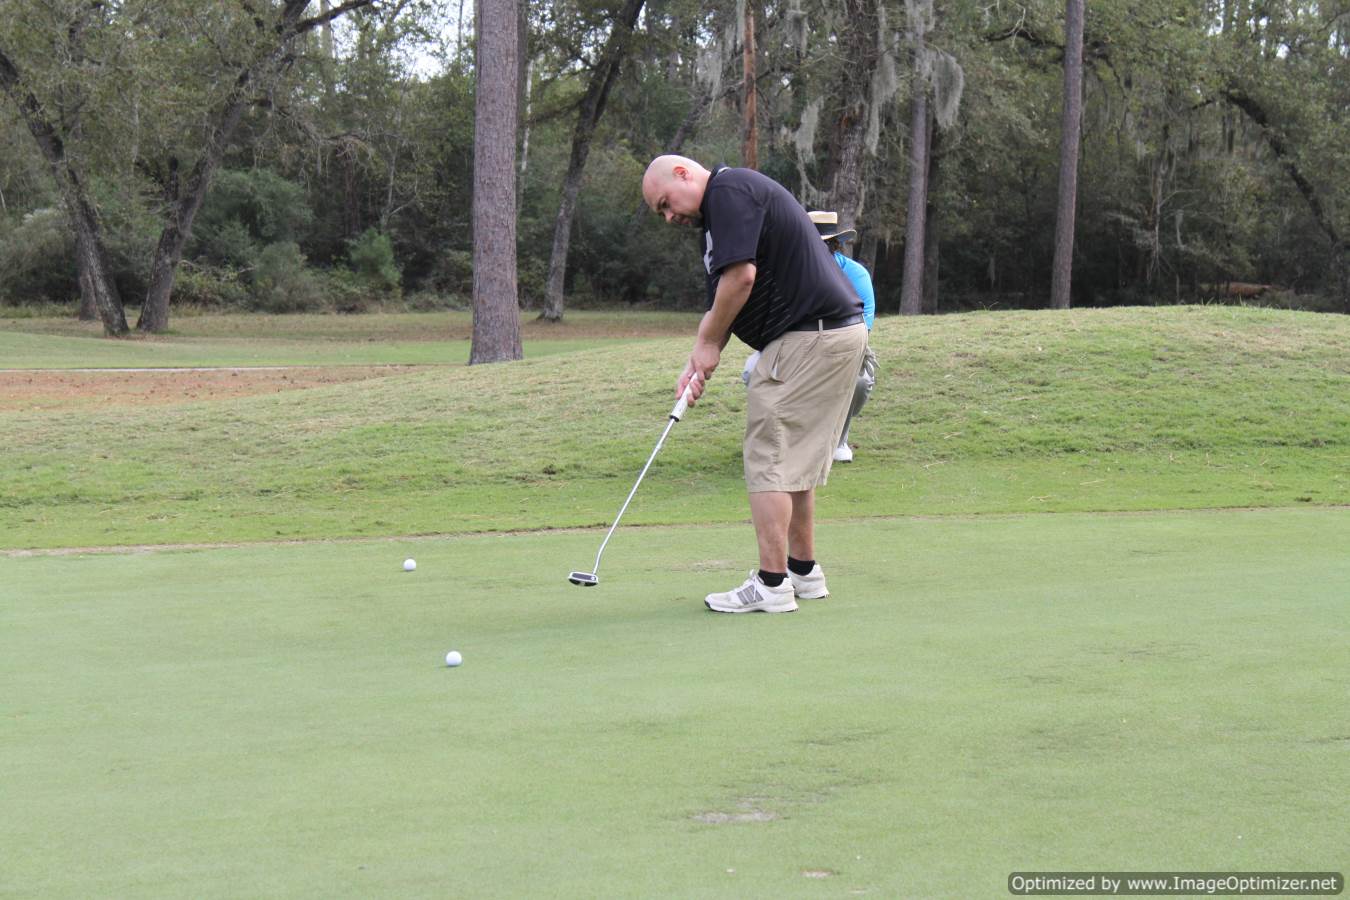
(314, 22)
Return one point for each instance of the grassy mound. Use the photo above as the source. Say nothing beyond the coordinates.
(1122, 409)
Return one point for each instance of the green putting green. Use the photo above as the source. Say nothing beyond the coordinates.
(980, 696)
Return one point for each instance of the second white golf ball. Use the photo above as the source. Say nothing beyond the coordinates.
(409, 565)
(453, 658)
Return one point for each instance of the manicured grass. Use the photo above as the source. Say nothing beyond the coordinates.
(402, 326)
(1124, 409)
(987, 691)
(980, 696)
(261, 340)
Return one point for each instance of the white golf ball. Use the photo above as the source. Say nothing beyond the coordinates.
(453, 658)
(409, 565)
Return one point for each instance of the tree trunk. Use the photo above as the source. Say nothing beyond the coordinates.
(845, 179)
(1070, 130)
(911, 291)
(98, 290)
(528, 75)
(256, 78)
(88, 311)
(525, 87)
(182, 211)
(930, 242)
(592, 108)
(847, 186)
(867, 254)
(154, 316)
(97, 286)
(496, 310)
(1343, 264)
(88, 305)
(750, 134)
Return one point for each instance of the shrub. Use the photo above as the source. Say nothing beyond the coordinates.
(346, 292)
(209, 286)
(230, 245)
(430, 301)
(372, 261)
(282, 283)
(131, 230)
(37, 260)
(269, 208)
(452, 273)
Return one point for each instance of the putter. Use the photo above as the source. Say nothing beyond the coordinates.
(592, 578)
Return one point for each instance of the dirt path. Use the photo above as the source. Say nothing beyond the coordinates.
(54, 389)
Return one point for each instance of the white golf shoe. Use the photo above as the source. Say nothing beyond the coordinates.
(810, 586)
(843, 453)
(754, 596)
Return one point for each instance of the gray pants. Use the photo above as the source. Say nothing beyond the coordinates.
(862, 389)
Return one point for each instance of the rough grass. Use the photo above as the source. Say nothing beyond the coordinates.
(1124, 409)
(980, 696)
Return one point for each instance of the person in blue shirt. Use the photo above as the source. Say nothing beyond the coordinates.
(827, 223)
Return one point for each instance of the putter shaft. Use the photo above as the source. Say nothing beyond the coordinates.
(596, 570)
(675, 415)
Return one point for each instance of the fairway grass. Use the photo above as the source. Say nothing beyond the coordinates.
(1087, 410)
(440, 339)
(980, 696)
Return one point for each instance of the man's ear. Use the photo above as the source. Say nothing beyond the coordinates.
(680, 172)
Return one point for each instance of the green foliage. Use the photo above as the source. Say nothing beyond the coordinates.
(37, 259)
(1179, 187)
(371, 257)
(256, 205)
(452, 273)
(131, 229)
(229, 244)
(210, 287)
(283, 284)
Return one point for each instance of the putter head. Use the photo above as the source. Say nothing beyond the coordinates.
(585, 579)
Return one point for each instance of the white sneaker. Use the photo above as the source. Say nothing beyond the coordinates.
(843, 453)
(810, 586)
(754, 596)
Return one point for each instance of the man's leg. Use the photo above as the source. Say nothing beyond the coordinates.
(862, 389)
(772, 513)
(808, 581)
(784, 524)
(802, 530)
(788, 441)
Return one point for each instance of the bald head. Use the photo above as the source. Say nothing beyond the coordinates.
(673, 187)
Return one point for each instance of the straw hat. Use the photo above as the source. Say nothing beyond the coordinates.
(827, 223)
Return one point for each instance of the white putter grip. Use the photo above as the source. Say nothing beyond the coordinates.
(682, 405)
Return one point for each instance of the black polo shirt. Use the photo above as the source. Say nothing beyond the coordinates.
(750, 217)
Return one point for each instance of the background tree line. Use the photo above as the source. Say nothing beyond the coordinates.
(286, 155)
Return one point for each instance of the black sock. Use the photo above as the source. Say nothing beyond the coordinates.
(801, 566)
(772, 579)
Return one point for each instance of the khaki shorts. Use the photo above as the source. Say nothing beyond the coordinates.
(798, 399)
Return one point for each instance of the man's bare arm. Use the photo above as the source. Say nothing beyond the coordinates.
(733, 289)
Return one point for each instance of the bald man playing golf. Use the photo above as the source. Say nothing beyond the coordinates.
(773, 284)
